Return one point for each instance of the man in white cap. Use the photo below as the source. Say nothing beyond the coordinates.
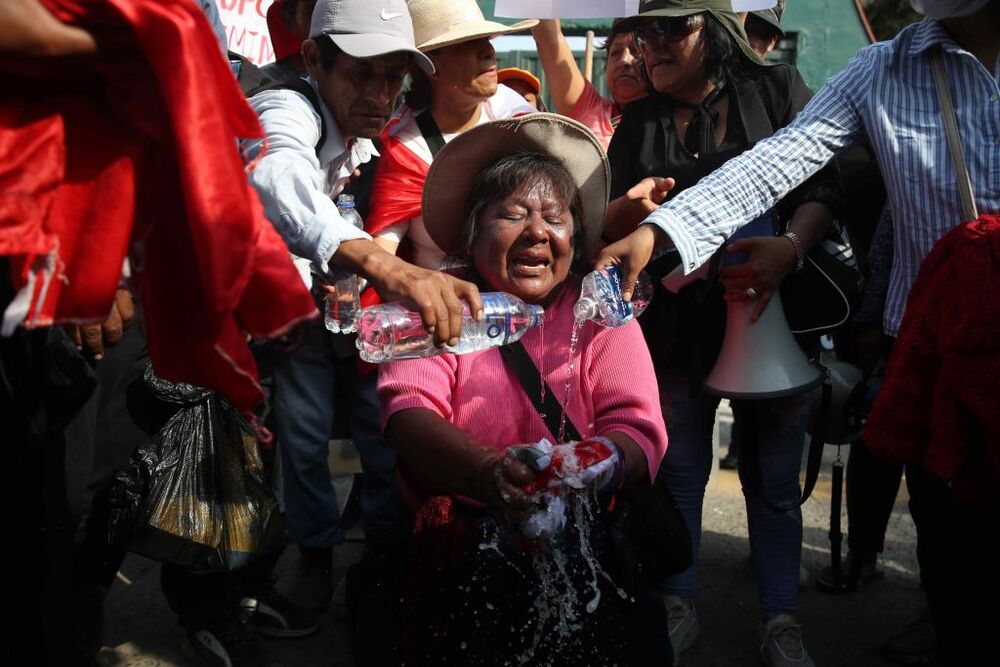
(318, 133)
(890, 95)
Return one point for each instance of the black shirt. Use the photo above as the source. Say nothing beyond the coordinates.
(684, 331)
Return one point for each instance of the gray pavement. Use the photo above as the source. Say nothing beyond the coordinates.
(842, 630)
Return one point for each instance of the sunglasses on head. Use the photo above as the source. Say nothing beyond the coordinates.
(666, 29)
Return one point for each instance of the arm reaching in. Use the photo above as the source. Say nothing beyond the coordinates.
(28, 29)
(626, 212)
(562, 74)
(632, 254)
(438, 296)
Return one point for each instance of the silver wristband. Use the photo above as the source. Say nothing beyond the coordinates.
(800, 254)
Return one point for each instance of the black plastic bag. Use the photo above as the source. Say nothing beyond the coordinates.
(196, 494)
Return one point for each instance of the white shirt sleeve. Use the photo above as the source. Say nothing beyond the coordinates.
(293, 187)
(395, 233)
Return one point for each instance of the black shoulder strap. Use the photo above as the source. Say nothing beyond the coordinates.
(304, 88)
(518, 361)
(756, 121)
(253, 80)
(430, 130)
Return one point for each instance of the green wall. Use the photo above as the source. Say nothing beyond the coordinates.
(829, 33)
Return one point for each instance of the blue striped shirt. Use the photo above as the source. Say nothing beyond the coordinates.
(886, 94)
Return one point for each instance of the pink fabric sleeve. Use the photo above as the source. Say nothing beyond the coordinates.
(595, 112)
(624, 391)
(417, 383)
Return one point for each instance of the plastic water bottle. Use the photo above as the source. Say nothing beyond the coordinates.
(601, 298)
(394, 331)
(342, 304)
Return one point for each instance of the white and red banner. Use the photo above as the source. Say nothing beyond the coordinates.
(246, 28)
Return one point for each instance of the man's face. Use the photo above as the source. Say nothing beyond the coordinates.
(361, 92)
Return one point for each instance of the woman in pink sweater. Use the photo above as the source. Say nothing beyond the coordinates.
(521, 202)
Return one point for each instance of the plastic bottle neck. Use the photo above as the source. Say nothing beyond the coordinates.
(585, 309)
(537, 314)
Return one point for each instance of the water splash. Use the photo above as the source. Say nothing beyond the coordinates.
(541, 360)
(574, 340)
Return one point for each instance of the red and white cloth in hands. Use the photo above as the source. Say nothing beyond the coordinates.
(596, 463)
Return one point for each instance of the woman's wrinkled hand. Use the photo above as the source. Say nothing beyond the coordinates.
(771, 258)
(502, 481)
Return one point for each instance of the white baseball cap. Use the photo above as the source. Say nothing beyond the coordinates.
(368, 28)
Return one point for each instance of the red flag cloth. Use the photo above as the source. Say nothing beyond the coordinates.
(939, 405)
(404, 161)
(285, 42)
(135, 149)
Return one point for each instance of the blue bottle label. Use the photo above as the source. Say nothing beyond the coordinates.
(623, 308)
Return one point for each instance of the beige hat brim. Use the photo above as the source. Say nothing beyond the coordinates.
(470, 30)
(459, 163)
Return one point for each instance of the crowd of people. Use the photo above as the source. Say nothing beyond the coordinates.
(194, 195)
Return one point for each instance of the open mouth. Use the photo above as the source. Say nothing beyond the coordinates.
(529, 265)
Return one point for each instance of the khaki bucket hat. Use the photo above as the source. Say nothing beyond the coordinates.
(438, 23)
(455, 169)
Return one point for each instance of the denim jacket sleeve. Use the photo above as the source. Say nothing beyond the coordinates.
(294, 187)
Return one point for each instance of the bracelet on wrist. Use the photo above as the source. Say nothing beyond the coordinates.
(800, 254)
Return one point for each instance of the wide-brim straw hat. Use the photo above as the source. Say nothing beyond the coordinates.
(722, 10)
(455, 169)
(438, 23)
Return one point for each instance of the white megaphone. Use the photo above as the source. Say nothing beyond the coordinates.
(759, 359)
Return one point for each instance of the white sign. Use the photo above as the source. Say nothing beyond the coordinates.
(246, 29)
(752, 5)
(565, 9)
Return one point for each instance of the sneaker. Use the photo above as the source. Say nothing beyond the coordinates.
(915, 645)
(313, 583)
(682, 623)
(781, 643)
(226, 644)
(274, 615)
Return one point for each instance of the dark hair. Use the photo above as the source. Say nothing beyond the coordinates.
(618, 27)
(724, 60)
(328, 51)
(290, 7)
(506, 176)
(764, 30)
(418, 95)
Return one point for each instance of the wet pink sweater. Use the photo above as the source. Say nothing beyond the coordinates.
(613, 385)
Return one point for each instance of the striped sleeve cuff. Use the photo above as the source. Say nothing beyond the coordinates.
(681, 237)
